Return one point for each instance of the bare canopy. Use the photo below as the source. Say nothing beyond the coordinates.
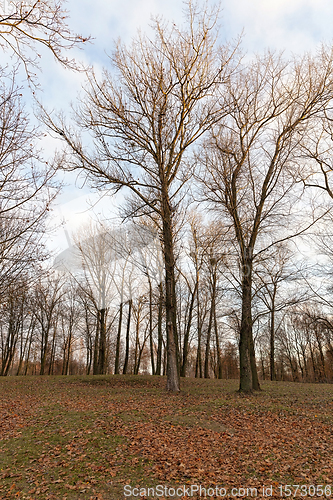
(254, 158)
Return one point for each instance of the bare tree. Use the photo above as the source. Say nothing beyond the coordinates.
(47, 296)
(273, 275)
(70, 315)
(196, 253)
(12, 325)
(251, 163)
(144, 124)
(26, 189)
(97, 262)
(147, 260)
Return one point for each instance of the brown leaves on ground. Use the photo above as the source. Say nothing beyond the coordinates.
(86, 437)
(262, 448)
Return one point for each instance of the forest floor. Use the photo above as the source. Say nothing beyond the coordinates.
(112, 437)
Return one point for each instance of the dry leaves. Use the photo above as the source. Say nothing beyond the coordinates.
(91, 436)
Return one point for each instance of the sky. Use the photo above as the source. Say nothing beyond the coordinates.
(292, 26)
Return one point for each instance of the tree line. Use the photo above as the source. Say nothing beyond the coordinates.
(103, 311)
(183, 125)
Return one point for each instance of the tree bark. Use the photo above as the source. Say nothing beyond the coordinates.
(116, 364)
(247, 363)
(151, 342)
(159, 330)
(207, 350)
(53, 349)
(245, 382)
(44, 346)
(210, 323)
(102, 342)
(218, 348)
(187, 333)
(96, 345)
(130, 302)
(254, 371)
(173, 382)
(272, 337)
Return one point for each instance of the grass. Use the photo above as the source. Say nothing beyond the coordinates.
(87, 437)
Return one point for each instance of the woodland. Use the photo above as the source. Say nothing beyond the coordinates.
(222, 266)
(188, 350)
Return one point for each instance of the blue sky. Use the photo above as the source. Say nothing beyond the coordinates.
(292, 26)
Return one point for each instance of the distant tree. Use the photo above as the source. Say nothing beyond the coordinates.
(272, 276)
(48, 293)
(147, 259)
(69, 319)
(191, 276)
(95, 273)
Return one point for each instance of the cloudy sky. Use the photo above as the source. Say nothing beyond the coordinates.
(292, 26)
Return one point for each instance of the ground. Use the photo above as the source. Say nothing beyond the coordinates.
(88, 437)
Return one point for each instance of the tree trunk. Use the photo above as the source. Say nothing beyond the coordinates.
(102, 342)
(137, 356)
(187, 333)
(89, 358)
(218, 348)
(272, 347)
(245, 333)
(321, 353)
(198, 362)
(247, 363)
(23, 347)
(159, 331)
(29, 342)
(89, 342)
(63, 370)
(207, 350)
(96, 345)
(53, 349)
(305, 362)
(116, 364)
(210, 324)
(263, 371)
(130, 302)
(254, 371)
(151, 343)
(272, 337)
(9, 354)
(44, 346)
(314, 367)
(173, 383)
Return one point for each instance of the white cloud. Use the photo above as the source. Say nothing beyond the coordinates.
(78, 211)
(290, 25)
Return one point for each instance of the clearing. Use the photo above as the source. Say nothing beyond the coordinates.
(86, 437)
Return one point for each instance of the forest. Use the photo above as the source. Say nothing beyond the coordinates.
(222, 266)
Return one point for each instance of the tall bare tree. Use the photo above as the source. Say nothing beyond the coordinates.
(252, 160)
(144, 122)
